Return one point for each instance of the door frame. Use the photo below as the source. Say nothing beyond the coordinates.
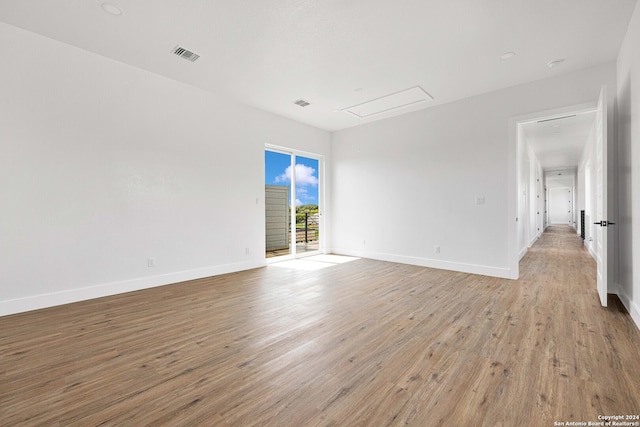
(602, 197)
(294, 153)
(513, 173)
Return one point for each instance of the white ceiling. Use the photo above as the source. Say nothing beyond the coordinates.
(338, 53)
(558, 141)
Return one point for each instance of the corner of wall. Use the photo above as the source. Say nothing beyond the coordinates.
(629, 304)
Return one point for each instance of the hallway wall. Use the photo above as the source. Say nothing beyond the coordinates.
(587, 188)
(628, 220)
(442, 177)
(530, 195)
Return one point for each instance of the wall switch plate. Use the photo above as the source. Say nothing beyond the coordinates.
(436, 249)
(151, 262)
(480, 200)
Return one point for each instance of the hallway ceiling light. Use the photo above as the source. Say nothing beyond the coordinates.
(556, 118)
(111, 9)
(555, 63)
(507, 55)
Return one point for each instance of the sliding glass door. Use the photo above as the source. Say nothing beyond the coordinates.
(292, 203)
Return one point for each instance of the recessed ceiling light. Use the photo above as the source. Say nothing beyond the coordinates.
(555, 63)
(507, 55)
(111, 9)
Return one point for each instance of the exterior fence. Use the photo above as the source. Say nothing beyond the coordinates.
(307, 227)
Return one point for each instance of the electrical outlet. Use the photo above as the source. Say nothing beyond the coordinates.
(436, 249)
(247, 251)
(151, 262)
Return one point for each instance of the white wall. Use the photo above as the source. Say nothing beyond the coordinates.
(628, 219)
(587, 190)
(580, 195)
(406, 184)
(530, 195)
(524, 188)
(537, 200)
(104, 165)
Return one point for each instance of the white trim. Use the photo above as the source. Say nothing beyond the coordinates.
(590, 250)
(630, 305)
(36, 302)
(483, 270)
(523, 252)
(512, 200)
(288, 150)
(289, 257)
(512, 175)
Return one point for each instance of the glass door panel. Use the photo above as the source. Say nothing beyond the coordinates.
(307, 202)
(278, 203)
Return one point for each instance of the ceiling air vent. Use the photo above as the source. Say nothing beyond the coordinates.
(302, 103)
(184, 53)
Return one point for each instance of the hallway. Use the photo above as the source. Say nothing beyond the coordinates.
(364, 342)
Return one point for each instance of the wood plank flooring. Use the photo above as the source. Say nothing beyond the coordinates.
(363, 343)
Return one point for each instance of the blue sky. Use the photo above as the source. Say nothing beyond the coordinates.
(278, 172)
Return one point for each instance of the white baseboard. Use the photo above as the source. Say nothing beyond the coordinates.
(504, 273)
(591, 251)
(631, 306)
(522, 253)
(36, 302)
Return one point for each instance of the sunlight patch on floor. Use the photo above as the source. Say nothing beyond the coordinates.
(313, 263)
(332, 259)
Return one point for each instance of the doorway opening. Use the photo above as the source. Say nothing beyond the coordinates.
(293, 203)
(546, 150)
(572, 140)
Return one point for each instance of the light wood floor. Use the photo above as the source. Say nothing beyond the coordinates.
(361, 343)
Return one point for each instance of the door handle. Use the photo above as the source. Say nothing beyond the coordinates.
(604, 223)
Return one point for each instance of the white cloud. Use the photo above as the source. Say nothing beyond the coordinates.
(299, 203)
(305, 175)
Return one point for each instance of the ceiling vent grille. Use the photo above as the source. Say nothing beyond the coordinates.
(302, 103)
(186, 54)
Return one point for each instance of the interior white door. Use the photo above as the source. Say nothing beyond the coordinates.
(560, 205)
(601, 195)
